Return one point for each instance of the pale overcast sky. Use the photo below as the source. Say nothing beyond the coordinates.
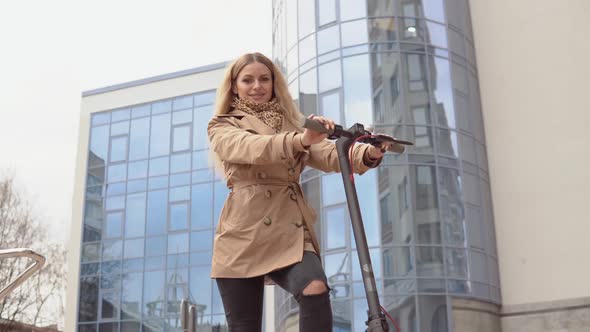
(51, 51)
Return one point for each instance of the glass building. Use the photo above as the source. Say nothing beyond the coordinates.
(145, 203)
(151, 203)
(406, 67)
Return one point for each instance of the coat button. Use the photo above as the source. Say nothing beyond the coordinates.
(299, 223)
(261, 175)
(291, 171)
(267, 220)
(268, 194)
(293, 196)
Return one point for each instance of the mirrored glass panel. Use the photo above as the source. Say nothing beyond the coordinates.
(181, 138)
(99, 146)
(351, 9)
(157, 212)
(335, 219)
(135, 215)
(357, 90)
(354, 33)
(443, 93)
(139, 139)
(306, 17)
(328, 39)
(326, 12)
(160, 135)
(330, 76)
(201, 116)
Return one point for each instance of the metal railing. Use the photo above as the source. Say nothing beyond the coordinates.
(188, 316)
(26, 274)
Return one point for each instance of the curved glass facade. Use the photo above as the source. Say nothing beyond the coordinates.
(408, 68)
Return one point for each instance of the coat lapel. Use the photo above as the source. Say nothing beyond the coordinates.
(252, 123)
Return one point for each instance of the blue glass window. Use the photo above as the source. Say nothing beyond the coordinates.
(160, 135)
(328, 39)
(135, 215)
(205, 98)
(118, 148)
(115, 188)
(306, 17)
(180, 163)
(182, 117)
(112, 250)
(177, 243)
(351, 9)
(115, 203)
(354, 33)
(158, 182)
(120, 128)
(201, 202)
(181, 138)
(88, 310)
(155, 246)
(99, 146)
(114, 225)
(335, 220)
(443, 93)
(357, 90)
(201, 241)
(330, 76)
(221, 193)
(180, 179)
(333, 189)
(133, 248)
(132, 285)
(159, 166)
(120, 115)
(137, 170)
(201, 117)
(179, 194)
(162, 106)
(154, 287)
(178, 216)
(139, 139)
(157, 212)
(326, 11)
(330, 106)
(200, 286)
(181, 103)
(200, 159)
(136, 185)
(117, 173)
(140, 111)
(101, 118)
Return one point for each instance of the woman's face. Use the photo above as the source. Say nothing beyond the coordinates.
(254, 83)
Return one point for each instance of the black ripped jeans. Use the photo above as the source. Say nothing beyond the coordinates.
(243, 297)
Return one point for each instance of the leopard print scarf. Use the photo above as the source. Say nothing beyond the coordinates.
(270, 112)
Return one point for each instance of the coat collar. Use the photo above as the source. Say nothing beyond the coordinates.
(251, 122)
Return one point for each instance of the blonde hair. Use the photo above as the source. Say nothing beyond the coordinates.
(280, 89)
(225, 96)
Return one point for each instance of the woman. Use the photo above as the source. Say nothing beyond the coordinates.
(266, 226)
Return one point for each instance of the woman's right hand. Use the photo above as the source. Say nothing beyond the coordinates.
(313, 137)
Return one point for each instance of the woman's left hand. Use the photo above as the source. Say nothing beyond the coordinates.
(377, 152)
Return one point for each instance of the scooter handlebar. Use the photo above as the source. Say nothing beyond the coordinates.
(374, 139)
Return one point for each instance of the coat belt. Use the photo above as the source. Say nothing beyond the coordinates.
(296, 187)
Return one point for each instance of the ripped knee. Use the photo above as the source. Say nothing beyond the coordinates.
(315, 287)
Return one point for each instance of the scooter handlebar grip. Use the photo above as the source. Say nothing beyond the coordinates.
(316, 126)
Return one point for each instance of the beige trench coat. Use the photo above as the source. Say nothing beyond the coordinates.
(260, 226)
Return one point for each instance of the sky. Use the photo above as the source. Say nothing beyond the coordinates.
(52, 51)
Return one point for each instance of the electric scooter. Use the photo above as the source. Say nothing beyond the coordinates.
(345, 139)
